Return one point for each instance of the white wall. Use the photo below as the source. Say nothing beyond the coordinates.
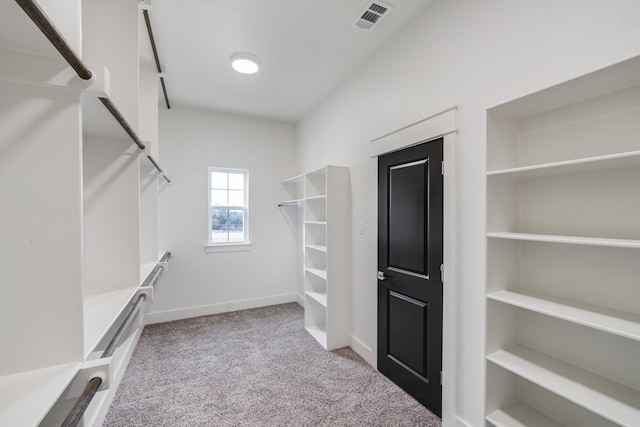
(200, 283)
(473, 54)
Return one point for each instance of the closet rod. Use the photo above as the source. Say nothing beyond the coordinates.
(123, 122)
(42, 21)
(155, 273)
(83, 402)
(157, 166)
(165, 257)
(117, 338)
(155, 55)
(74, 417)
(78, 410)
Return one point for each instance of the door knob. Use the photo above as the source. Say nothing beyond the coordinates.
(381, 275)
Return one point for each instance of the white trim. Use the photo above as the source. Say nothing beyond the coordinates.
(363, 350)
(211, 248)
(436, 125)
(300, 299)
(459, 422)
(432, 116)
(207, 310)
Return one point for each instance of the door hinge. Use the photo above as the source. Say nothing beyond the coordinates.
(442, 273)
(443, 167)
(440, 377)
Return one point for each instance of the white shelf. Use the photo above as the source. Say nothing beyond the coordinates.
(612, 321)
(317, 248)
(319, 334)
(27, 397)
(293, 181)
(606, 398)
(100, 312)
(317, 272)
(589, 164)
(320, 298)
(520, 415)
(572, 240)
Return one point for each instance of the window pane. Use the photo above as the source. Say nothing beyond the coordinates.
(219, 198)
(227, 225)
(236, 198)
(218, 180)
(219, 225)
(236, 226)
(236, 181)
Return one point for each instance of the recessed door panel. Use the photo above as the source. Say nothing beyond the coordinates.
(408, 188)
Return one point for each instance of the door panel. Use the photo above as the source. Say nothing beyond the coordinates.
(407, 330)
(407, 205)
(409, 260)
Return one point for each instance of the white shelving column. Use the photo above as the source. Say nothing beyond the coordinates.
(73, 234)
(563, 254)
(41, 228)
(326, 255)
(323, 195)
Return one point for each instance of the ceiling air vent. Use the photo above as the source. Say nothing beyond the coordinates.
(371, 15)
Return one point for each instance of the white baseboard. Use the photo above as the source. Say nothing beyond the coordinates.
(460, 423)
(363, 350)
(207, 310)
(300, 299)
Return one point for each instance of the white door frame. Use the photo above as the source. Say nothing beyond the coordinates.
(441, 124)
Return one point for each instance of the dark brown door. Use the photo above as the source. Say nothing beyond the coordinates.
(409, 270)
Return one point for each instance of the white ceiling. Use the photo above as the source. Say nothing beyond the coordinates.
(306, 49)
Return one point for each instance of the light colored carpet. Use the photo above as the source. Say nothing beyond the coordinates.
(254, 367)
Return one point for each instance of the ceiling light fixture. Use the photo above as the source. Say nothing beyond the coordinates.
(245, 63)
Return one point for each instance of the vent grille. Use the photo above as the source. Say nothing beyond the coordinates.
(371, 15)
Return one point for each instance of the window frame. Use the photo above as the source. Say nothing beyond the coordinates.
(228, 245)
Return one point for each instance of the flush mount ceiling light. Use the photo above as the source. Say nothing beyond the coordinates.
(245, 63)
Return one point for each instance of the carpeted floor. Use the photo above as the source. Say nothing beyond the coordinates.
(254, 367)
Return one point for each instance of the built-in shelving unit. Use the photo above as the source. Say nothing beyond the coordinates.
(324, 198)
(82, 234)
(563, 254)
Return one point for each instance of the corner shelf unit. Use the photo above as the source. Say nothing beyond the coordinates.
(323, 195)
(563, 254)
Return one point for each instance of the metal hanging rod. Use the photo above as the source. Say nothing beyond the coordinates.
(117, 338)
(83, 402)
(155, 55)
(295, 203)
(165, 257)
(81, 405)
(155, 273)
(123, 122)
(153, 276)
(158, 168)
(42, 21)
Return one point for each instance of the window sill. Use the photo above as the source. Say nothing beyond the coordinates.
(210, 248)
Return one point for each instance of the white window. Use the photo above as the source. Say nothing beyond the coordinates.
(228, 206)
